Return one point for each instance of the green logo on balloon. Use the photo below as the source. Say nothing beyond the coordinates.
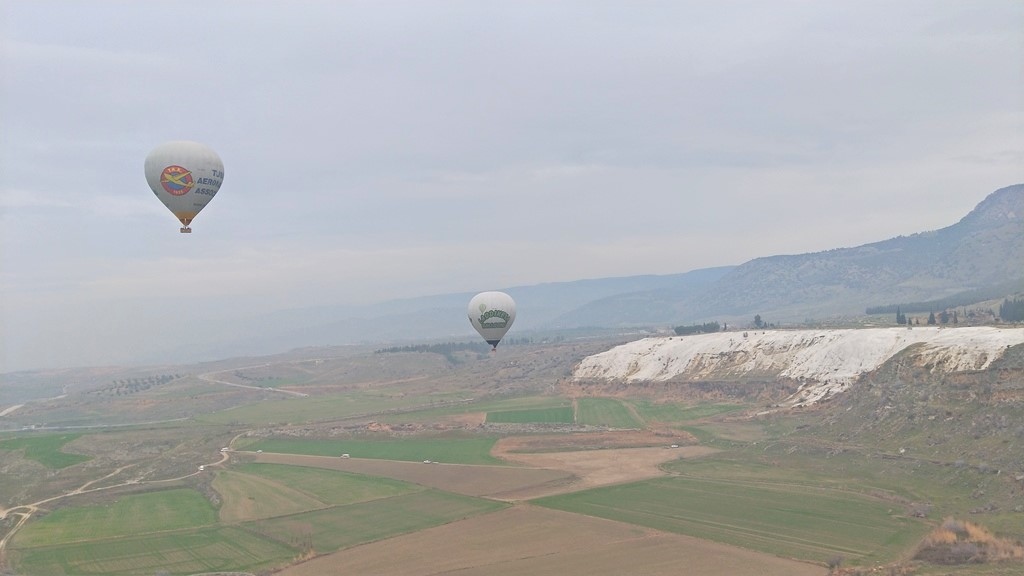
(493, 318)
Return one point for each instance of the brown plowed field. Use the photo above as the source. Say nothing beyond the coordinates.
(527, 539)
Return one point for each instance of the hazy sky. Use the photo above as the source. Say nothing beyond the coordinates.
(383, 149)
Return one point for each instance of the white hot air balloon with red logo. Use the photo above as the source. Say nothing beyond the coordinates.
(492, 314)
(185, 176)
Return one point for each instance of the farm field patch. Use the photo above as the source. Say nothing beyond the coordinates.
(476, 409)
(329, 486)
(47, 450)
(177, 552)
(527, 539)
(790, 521)
(605, 412)
(134, 514)
(557, 415)
(339, 527)
(256, 491)
(165, 531)
(251, 497)
(590, 468)
(501, 482)
(673, 412)
(903, 482)
(584, 441)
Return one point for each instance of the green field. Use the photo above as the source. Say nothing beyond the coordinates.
(559, 415)
(313, 409)
(674, 413)
(176, 552)
(435, 414)
(520, 403)
(256, 491)
(47, 450)
(950, 490)
(176, 531)
(251, 497)
(605, 412)
(130, 515)
(793, 521)
(344, 526)
(453, 450)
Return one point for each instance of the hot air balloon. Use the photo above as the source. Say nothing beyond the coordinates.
(492, 314)
(185, 176)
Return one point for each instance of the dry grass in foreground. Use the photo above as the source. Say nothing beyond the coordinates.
(959, 542)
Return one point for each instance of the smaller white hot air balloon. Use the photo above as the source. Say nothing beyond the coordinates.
(185, 176)
(492, 314)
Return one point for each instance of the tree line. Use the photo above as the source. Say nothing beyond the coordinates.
(959, 299)
(1012, 310)
(132, 385)
(709, 327)
(704, 328)
(447, 349)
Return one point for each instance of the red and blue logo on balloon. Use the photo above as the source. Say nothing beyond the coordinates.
(176, 180)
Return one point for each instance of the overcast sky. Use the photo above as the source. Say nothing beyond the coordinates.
(381, 149)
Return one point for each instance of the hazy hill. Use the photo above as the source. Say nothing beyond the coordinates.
(986, 247)
(443, 316)
(983, 249)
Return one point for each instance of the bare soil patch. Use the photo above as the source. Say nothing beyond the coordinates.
(527, 539)
(593, 466)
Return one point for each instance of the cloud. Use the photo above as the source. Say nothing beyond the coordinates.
(100, 206)
(15, 199)
(377, 150)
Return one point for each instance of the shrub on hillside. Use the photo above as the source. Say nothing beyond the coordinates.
(959, 542)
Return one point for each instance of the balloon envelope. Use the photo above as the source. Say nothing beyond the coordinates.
(185, 176)
(492, 314)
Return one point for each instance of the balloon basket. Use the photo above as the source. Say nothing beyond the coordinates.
(186, 230)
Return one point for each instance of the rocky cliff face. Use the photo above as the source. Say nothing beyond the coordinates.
(969, 421)
(951, 396)
(822, 363)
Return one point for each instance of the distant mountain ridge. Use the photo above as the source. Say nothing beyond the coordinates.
(985, 248)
